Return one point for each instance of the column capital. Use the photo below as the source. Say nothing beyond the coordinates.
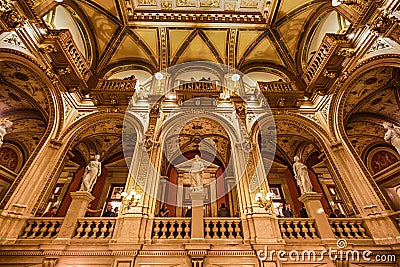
(82, 195)
(310, 196)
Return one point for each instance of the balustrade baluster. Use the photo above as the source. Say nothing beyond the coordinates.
(79, 230)
(27, 230)
(156, 229)
(164, 230)
(207, 229)
(230, 230)
(187, 230)
(223, 230)
(179, 229)
(238, 229)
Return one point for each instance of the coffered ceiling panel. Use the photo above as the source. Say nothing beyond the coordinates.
(291, 29)
(288, 6)
(103, 26)
(129, 48)
(264, 51)
(245, 39)
(149, 38)
(108, 5)
(218, 39)
(176, 39)
(197, 50)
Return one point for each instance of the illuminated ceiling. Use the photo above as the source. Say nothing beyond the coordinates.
(152, 35)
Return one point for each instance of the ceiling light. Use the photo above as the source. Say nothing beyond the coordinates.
(235, 77)
(159, 76)
(336, 3)
(59, 1)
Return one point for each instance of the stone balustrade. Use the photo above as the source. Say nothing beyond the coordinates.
(71, 50)
(171, 228)
(298, 228)
(116, 85)
(95, 228)
(275, 87)
(349, 228)
(200, 87)
(42, 228)
(319, 61)
(223, 228)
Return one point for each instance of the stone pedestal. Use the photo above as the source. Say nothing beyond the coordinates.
(312, 202)
(197, 228)
(128, 228)
(77, 209)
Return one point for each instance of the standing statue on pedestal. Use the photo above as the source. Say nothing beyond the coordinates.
(4, 125)
(92, 172)
(301, 174)
(196, 174)
(392, 135)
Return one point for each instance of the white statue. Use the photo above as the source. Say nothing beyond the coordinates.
(4, 125)
(196, 174)
(92, 172)
(301, 174)
(392, 135)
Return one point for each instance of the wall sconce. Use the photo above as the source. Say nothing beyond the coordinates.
(130, 200)
(266, 202)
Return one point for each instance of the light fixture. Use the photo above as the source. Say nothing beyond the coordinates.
(266, 202)
(235, 77)
(159, 76)
(336, 3)
(130, 200)
(59, 1)
(171, 95)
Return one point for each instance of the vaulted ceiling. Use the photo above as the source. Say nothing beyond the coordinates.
(247, 35)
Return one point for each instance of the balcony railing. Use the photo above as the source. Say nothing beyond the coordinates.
(116, 85)
(275, 87)
(70, 50)
(350, 228)
(204, 87)
(294, 228)
(42, 228)
(171, 228)
(223, 228)
(95, 228)
(319, 61)
(281, 94)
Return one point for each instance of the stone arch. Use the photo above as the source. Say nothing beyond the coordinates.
(229, 127)
(298, 124)
(50, 106)
(337, 117)
(82, 128)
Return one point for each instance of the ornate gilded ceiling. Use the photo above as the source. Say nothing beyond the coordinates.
(250, 35)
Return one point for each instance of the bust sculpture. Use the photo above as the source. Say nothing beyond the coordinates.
(92, 172)
(392, 135)
(196, 174)
(4, 125)
(301, 175)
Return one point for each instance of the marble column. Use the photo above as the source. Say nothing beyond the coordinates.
(77, 209)
(197, 227)
(312, 202)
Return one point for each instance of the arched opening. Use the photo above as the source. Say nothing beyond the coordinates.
(209, 140)
(105, 137)
(371, 100)
(25, 101)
